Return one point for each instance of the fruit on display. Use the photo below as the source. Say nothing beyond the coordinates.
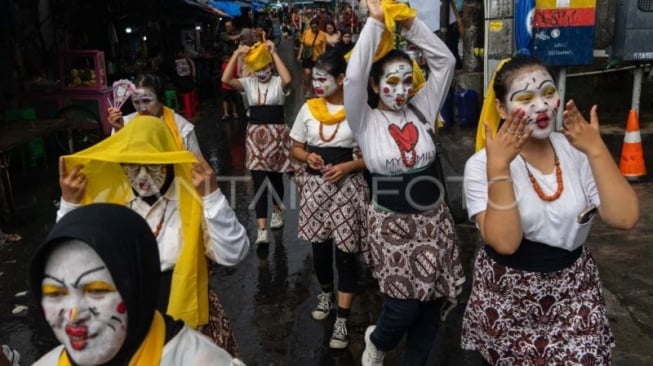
(82, 77)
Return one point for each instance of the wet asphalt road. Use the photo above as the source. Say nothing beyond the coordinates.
(268, 296)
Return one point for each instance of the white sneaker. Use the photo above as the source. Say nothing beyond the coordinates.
(262, 236)
(323, 307)
(372, 356)
(339, 338)
(276, 221)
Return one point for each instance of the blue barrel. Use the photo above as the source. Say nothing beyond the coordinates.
(467, 110)
(447, 110)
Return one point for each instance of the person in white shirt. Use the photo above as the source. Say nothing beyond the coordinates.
(410, 229)
(333, 192)
(148, 101)
(96, 278)
(536, 295)
(178, 195)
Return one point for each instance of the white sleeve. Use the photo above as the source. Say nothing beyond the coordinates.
(190, 347)
(227, 241)
(441, 63)
(587, 180)
(66, 207)
(298, 131)
(358, 74)
(191, 143)
(475, 184)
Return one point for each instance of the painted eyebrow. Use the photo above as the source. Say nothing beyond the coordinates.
(76, 284)
(544, 82)
(512, 96)
(63, 284)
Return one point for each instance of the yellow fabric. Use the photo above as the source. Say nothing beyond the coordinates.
(145, 140)
(554, 4)
(489, 113)
(318, 108)
(148, 353)
(418, 78)
(169, 119)
(258, 57)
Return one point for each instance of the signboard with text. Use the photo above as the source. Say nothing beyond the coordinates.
(563, 31)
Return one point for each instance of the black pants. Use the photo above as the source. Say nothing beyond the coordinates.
(345, 264)
(263, 181)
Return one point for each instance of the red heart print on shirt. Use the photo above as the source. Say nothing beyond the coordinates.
(406, 137)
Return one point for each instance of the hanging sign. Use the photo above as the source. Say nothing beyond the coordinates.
(563, 31)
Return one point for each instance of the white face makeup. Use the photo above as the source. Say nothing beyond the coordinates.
(146, 102)
(81, 304)
(324, 84)
(145, 179)
(535, 92)
(264, 74)
(396, 84)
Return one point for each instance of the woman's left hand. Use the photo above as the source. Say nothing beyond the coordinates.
(334, 174)
(203, 178)
(271, 47)
(584, 136)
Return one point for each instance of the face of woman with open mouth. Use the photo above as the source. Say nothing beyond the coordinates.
(82, 305)
(324, 84)
(534, 91)
(145, 179)
(396, 84)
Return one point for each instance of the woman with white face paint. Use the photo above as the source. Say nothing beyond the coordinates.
(333, 192)
(97, 288)
(268, 141)
(148, 101)
(532, 191)
(177, 193)
(411, 236)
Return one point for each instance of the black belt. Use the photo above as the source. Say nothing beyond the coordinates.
(406, 193)
(266, 115)
(536, 257)
(330, 155)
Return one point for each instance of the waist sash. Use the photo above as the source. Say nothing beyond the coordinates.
(330, 155)
(536, 257)
(407, 193)
(266, 115)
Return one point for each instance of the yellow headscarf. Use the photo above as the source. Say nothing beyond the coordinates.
(148, 353)
(393, 12)
(318, 108)
(145, 140)
(258, 57)
(489, 113)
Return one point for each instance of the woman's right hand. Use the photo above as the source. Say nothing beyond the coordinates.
(375, 10)
(504, 147)
(243, 49)
(114, 116)
(314, 161)
(72, 183)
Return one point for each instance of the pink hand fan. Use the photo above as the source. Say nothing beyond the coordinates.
(122, 90)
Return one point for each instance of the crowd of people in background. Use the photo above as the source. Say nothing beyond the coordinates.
(367, 126)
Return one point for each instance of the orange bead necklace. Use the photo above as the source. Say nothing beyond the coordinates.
(536, 185)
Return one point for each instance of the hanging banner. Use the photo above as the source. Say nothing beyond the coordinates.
(563, 31)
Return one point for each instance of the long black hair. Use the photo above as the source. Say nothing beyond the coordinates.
(333, 61)
(377, 71)
(151, 81)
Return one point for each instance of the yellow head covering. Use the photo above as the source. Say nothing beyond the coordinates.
(258, 57)
(393, 12)
(147, 140)
(489, 113)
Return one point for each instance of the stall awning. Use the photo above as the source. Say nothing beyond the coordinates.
(231, 8)
(204, 6)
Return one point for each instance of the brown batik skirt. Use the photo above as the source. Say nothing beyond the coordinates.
(268, 148)
(415, 256)
(333, 211)
(515, 317)
(219, 328)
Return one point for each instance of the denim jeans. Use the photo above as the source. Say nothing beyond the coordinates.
(418, 320)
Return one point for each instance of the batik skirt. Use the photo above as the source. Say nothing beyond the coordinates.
(268, 148)
(516, 317)
(333, 211)
(415, 256)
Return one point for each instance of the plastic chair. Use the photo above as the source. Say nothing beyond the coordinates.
(36, 147)
(171, 100)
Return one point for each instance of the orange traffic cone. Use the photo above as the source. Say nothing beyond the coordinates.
(632, 155)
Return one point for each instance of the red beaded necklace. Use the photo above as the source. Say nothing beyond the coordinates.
(159, 225)
(536, 185)
(330, 137)
(258, 95)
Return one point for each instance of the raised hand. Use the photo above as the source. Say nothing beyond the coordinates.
(584, 136)
(72, 183)
(504, 147)
(114, 116)
(375, 10)
(203, 177)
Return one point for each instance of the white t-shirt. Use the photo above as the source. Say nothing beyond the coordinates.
(542, 221)
(270, 93)
(306, 129)
(188, 347)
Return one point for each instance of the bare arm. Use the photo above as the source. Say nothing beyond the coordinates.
(284, 74)
(227, 75)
